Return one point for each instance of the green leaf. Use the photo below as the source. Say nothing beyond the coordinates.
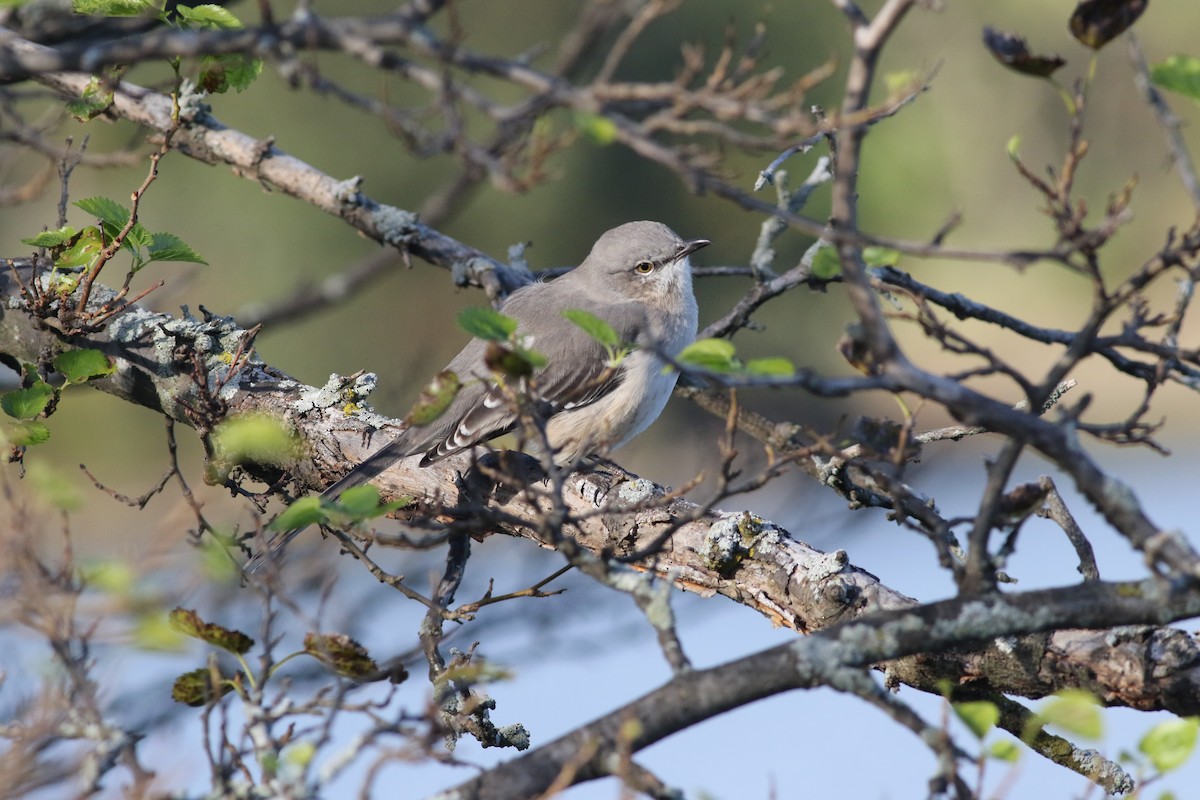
(51, 238)
(513, 361)
(24, 433)
(153, 631)
(84, 251)
(902, 81)
(78, 366)
(1075, 711)
(110, 575)
(114, 8)
(53, 487)
(188, 622)
(359, 500)
(876, 256)
(826, 265)
(107, 211)
(253, 439)
(114, 216)
(197, 688)
(774, 367)
(715, 355)
(594, 327)
(212, 78)
(169, 247)
(1005, 750)
(27, 403)
(298, 755)
(602, 130)
(300, 514)
(208, 15)
(484, 323)
(1170, 743)
(1179, 74)
(93, 101)
(978, 715)
(434, 399)
(1014, 147)
(341, 653)
(241, 72)
(363, 502)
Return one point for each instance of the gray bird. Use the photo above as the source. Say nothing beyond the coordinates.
(638, 279)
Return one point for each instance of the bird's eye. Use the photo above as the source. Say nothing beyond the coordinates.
(644, 267)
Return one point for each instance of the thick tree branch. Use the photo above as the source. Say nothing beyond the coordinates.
(182, 368)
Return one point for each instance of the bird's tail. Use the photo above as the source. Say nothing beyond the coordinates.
(379, 461)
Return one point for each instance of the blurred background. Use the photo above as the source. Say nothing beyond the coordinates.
(577, 655)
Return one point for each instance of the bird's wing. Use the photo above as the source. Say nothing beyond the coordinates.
(578, 373)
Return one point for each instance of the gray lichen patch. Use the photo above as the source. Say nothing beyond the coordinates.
(346, 393)
(730, 540)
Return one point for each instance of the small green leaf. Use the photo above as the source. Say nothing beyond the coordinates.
(241, 72)
(153, 631)
(52, 238)
(826, 264)
(78, 366)
(110, 575)
(107, 211)
(602, 130)
(978, 715)
(363, 502)
(24, 433)
(93, 101)
(1005, 750)
(1075, 711)
(196, 688)
(53, 487)
(774, 367)
(253, 439)
(27, 403)
(513, 361)
(1179, 74)
(114, 216)
(434, 399)
(716, 355)
(83, 251)
(341, 653)
(1014, 147)
(902, 81)
(298, 755)
(594, 327)
(300, 514)
(1170, 743)
(188, 622)
(208, 15)
(484, 323)
(216, 559)
(876, 256)
(169, 247)
(212, 77)
(359, 500)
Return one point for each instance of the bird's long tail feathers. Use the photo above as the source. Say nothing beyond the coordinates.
(379, 461)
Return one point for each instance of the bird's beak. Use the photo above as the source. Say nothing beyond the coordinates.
(687, 248)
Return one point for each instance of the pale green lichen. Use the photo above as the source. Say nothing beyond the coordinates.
(730, 540)
(635, 492)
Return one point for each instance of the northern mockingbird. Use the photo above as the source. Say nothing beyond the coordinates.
(638, 279)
